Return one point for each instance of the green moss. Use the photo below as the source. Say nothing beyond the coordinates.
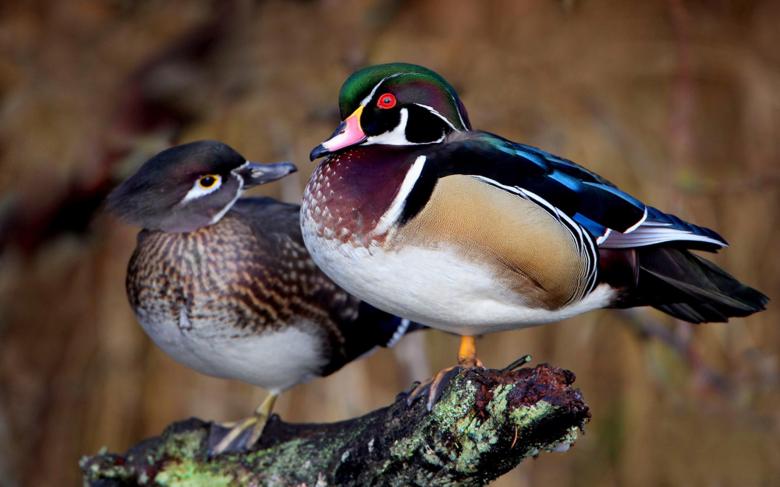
(498, 405)
(407, 447)
(182, 445)
(452, 407)
(287, 458)
(109, 472)
(189, 473)
(447, 415)
(455, 414)
(455, 444)
(524, 417)
(478, 436)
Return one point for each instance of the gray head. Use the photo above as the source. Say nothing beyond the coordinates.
(189, 186)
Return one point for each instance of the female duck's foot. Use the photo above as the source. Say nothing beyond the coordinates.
(245, 434)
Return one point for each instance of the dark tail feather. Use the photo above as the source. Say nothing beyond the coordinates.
(385, 329)
(687, 286)
(374, 328)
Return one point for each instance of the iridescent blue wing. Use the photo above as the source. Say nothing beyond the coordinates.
(611, 216)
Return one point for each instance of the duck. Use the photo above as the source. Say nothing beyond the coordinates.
(462, 230)
(224, 285)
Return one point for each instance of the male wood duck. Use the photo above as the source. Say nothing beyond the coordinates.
(468, 232)
(225, 285)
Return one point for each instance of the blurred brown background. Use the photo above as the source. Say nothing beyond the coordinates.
(677, 101)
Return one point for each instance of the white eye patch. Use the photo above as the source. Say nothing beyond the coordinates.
(203, 185)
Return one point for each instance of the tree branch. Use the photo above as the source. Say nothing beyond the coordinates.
(484, 424)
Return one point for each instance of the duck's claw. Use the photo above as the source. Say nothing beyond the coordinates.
(467, 359)
(434, 386)
(241, 436)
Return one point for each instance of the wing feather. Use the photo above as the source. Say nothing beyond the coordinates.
(614, 218)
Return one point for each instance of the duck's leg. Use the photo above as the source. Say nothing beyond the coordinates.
(467, 353)
(245, 434)
(467, 358)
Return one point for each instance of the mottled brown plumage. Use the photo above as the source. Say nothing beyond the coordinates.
(247, 274)
(226, 286)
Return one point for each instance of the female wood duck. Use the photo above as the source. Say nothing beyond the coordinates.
(225, 285)
(468, 232)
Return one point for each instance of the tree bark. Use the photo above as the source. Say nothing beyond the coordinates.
(485, 423)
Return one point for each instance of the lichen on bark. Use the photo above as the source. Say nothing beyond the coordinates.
(485, 423)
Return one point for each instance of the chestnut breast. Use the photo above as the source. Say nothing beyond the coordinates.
(350, 191)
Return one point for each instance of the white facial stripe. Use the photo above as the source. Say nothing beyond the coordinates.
(367, 99)
(232, 202)
(397, 136)
(460, 115)
(396, 207)
(239, 176)
(198, 192)
(435, 112)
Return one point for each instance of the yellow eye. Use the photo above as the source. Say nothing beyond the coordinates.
(208, 181)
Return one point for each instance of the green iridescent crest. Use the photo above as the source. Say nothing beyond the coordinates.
(417, 83)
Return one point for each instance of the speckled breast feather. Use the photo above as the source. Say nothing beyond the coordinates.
(349, 193)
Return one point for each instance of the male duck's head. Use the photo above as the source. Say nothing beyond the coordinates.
(395, 104)
(189, 186)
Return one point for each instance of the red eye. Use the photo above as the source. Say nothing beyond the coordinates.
(386, 101)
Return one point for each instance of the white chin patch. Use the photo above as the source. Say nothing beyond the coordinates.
(397, 136)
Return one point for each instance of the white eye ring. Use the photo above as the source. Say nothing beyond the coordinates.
(199, 190)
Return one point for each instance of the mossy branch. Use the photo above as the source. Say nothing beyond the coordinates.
(485, 423)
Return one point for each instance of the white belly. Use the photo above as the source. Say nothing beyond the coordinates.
(435, 287)
(274, 360)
